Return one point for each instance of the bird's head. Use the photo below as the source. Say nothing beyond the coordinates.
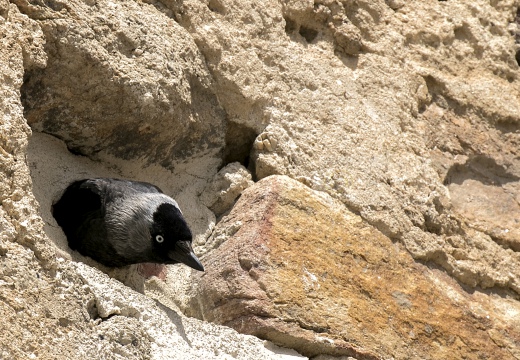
(171, 237)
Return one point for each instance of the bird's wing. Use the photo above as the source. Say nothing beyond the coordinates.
(80, 204)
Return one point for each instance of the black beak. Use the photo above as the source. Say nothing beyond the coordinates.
(183, 253)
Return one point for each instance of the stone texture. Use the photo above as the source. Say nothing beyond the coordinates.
(489, 198)
(378, 103)
(52, 308)
(407, 113)
(18, 215)
(225, 187)
(303, 271)
(121, 80)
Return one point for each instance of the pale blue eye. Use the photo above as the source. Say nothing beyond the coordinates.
(159, 238)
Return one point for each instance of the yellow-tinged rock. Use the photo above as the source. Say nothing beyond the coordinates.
(306, 273)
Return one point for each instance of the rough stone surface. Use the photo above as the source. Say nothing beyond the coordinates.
(121, 80)
(225, 187)
(407, 113)
(306, 273)
(52, 308)
(379, 104)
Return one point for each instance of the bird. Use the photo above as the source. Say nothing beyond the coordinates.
(121, 222)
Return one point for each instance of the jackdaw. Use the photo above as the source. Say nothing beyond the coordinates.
(120, 222)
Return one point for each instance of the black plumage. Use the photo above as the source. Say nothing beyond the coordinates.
(120, 222)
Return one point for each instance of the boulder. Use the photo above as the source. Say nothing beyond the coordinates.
(303, 271)
(122, 81)
(398, 123)
(379, 103)
(54, 308)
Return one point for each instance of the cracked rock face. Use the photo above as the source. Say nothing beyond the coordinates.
(225, 187)
(52, 308)
(398, 120)
(380, 104)
(305, 273)
(132, 85)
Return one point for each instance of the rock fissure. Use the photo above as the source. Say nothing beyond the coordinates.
(400, 118)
